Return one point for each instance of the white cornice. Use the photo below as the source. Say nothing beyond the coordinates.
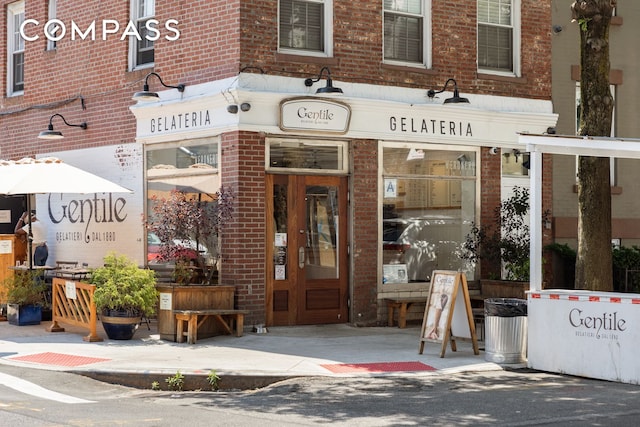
(486, 121)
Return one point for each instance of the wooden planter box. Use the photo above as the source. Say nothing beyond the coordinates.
(192, 297)
(503, 289)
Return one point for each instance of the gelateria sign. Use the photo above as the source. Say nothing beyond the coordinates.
(314, 115)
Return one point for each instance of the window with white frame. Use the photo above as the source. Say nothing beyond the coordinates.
(141, 50)
(51, 44)
(407, 29)
(499, 36)
(15, 47)
(612, 160)
(305, 26)
(190, 167)
(427, 208)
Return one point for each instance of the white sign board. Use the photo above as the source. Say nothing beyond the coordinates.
(390, 188)
(314, 115)
(165, 301)
(70, 290)
(394, 273)
(588, 334)
(85, 227)
(5, 216)
(6, 247)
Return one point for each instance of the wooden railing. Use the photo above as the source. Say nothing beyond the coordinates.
(73, 304)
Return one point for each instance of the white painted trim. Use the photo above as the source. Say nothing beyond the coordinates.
(494, 121)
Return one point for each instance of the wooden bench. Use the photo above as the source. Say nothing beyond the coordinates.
(221, 315)
(401, 305)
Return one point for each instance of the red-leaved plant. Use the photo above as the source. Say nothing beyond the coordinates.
(189, 228)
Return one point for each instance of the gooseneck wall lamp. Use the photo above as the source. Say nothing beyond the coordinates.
(148, 96)
(456, 95)
(329, 89)
(55, 134)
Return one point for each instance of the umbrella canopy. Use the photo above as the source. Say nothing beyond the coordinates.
(198, 178)
(51, 175)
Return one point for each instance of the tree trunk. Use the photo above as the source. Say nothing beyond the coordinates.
(594, 259)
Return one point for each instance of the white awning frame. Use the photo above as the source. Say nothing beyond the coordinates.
(537, 145)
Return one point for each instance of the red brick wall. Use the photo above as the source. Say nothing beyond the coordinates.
(364, 202)
(243, 250)
(88, 81)
(357, 53)
(96, 70)
(215, 41)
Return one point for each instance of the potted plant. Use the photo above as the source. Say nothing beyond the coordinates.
(25, 297)
(503, 247)
(124, 293)
(188, 227)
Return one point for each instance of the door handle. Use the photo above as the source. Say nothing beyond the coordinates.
(301, 257)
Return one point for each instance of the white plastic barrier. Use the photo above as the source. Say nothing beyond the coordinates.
(588, 334)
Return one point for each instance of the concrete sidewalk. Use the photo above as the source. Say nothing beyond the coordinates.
(252, 360)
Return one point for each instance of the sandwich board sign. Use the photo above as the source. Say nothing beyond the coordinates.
(448, 314)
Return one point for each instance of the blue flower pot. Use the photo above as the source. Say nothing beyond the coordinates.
(119, 325)
(21, 315)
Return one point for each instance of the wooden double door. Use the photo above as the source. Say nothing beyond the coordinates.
(307, 259)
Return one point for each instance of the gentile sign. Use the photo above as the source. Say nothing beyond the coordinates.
(314, 115)
(591, 334)
(85, 227)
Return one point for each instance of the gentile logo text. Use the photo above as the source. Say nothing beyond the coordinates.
(56, 30)
(606, 325)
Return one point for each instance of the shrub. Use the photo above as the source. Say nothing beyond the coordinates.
(122, 285)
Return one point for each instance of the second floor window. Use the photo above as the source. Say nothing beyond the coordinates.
(51, 44)
(498, 36)
(405, 31)
(142, 54)
(15, 59)
(305, 26)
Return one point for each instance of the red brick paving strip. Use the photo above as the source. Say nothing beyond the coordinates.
(59, 359)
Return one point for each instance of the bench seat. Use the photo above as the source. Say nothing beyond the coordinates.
(227, 318)
(401, 305)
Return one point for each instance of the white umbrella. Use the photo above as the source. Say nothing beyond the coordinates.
(196, 178)
(49, 175)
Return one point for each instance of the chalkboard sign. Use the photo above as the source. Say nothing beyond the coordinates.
(446, 316)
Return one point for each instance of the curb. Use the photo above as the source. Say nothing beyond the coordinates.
(192, 382)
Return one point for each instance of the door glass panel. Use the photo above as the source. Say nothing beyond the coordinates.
(322, 232)
(280, 227)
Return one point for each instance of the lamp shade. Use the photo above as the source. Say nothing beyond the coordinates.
(50, 134)
(145, 96)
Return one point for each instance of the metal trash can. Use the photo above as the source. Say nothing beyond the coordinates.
(505, 330)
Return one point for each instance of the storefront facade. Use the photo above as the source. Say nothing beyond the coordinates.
(340, 201)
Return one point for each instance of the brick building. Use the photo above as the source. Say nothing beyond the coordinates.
(625, 195)
(342, 199)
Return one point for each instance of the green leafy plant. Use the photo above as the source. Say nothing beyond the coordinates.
(626, 268)
(565, 251)
(214, 380)
(122, 285)
(505, 242)
(25, 288)
(175, 382)
(155, 385)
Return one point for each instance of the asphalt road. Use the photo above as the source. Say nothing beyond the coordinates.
(497, 398)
